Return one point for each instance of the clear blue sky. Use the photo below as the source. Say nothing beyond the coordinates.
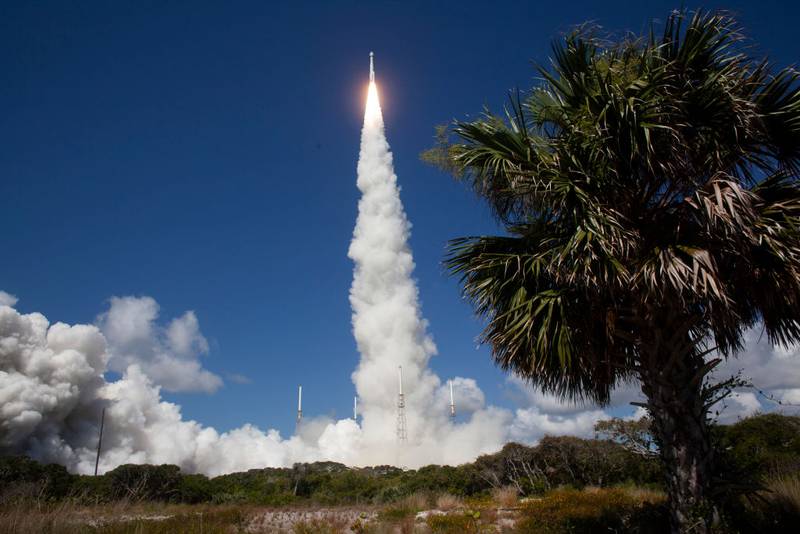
(204, 154)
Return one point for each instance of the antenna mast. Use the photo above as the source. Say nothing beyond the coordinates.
(402, 431)
(355, 409)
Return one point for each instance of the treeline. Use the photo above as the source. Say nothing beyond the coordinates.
(746, 451)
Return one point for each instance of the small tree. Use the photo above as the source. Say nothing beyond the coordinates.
(633, 434)
(649, 190)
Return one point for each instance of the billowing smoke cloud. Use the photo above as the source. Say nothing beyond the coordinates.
(169, 356)
(53, 383)
(52, 390)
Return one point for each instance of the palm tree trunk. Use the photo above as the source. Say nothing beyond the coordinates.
(673, 385)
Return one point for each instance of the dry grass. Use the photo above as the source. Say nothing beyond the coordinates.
(461, 515)
(416, 501)
(68, 518)
(505, 497)
(783, 492)
(447, 502)
(330, 524)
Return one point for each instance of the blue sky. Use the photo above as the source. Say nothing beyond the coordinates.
(204, 154)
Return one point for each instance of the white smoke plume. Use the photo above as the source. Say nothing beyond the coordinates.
(390, 331)
(53, 383)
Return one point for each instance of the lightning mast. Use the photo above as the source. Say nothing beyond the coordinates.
(100, 440)
(452, 403)
(402, 431)
(299, 405)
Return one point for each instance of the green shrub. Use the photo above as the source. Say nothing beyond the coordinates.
(47, 481)
(762, 444)
(559, 461)
(396, 513)
(195, 489)
(145, 482)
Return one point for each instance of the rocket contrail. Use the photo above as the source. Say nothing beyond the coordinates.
(388, 325)
(387, 322)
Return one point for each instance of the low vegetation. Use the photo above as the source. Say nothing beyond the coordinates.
(563, 484)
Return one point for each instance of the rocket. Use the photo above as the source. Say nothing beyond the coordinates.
(371, 67)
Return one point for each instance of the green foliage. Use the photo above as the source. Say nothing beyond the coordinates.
(565, 460)
(394, 514)
(195, 489)
(634, 435)
(763, 443)
(604, 510)
(145, 482)
(756, 458)
(48, 481)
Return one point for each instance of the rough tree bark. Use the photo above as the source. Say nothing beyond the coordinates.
(672, 373)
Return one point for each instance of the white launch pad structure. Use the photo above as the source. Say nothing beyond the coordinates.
(402, 430)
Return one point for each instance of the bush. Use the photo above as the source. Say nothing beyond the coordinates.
(20, 475)
(195, 489)
(594, 510)
(762, 444)
(145, 482)
(558, 461)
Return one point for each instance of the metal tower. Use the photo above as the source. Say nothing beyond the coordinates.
(402, 431)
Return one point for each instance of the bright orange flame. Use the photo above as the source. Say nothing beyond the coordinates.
(373, 110)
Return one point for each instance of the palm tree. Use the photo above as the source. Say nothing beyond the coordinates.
(649, 191)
